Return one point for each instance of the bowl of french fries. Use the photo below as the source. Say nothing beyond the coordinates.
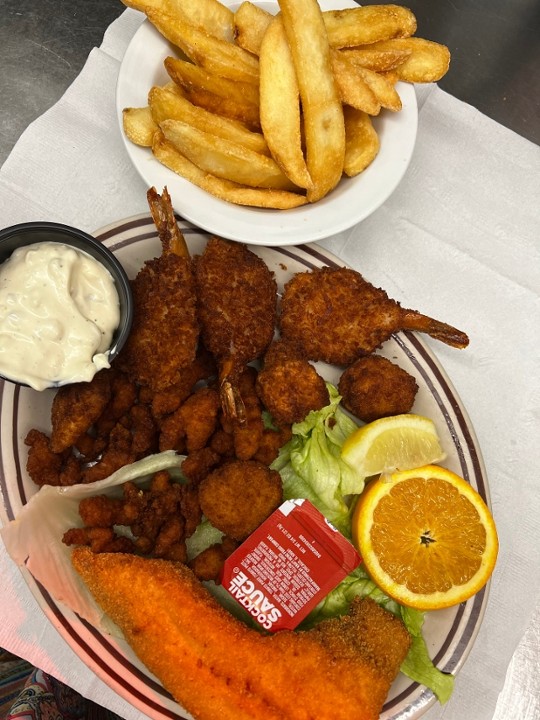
(274, 123)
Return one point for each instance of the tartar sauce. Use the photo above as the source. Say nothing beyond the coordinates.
(59, 309)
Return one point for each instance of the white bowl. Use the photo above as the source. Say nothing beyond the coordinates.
(348, 204)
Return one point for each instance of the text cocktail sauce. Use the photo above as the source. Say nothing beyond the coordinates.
(59, 308)
(288, 565)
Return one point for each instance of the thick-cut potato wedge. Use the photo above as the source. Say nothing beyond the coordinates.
(165, 104)
(226, 190)
(324, 126)
(362, 142)
(215, 55)
(210, 15)
(224, 158)
(250, 24)
(375, 58)
(428, 61)
(191, 76)
(280, 104)
(353, 90)
(391, 76)
(384, 91)
(368, 24)
(345, 28)
(236, 100)
(139, 125)
(226, 107)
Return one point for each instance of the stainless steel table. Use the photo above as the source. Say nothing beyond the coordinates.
(495, 67)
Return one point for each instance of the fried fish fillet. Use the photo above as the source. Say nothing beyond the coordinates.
(217, 667)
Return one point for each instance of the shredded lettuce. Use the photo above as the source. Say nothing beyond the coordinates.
(311, 467)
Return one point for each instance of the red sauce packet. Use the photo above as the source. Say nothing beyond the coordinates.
(288, 565)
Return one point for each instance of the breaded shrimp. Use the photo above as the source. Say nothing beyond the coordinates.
(337, 316)
(237, 297)
(165, 332)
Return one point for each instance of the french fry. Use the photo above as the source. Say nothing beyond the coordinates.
(368, 24)
(377, 58)
(428, 61)
(250, 24)
(191, 76)
(210, 15)
(362, 142)
(280, 104)
(166, 104)
(383, 90)
(226, 190)
(225, 158)
(345, 28)
(277, 104)
(324, 126)
(353, 89)
(226, 107)
(139, 125)
(215, 55)
(239, 101)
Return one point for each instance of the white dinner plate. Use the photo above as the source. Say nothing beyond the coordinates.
(348, 204)
(449, 633)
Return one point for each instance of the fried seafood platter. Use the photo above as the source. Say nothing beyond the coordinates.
(207, 408)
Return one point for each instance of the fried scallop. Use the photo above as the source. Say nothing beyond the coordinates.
(239, 495)
(374, 387)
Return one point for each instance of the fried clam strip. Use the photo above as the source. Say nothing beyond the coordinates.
(165, 330)
(335, 315)
(215, 666)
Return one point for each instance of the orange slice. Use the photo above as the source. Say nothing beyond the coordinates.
(426, 537)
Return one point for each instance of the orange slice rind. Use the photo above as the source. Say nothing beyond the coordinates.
(427, 538)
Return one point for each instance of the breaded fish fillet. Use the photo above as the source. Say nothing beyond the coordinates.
(219, 669)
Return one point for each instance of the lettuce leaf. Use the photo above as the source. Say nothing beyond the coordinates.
(34, 538)
(418, 664)
(311, 467)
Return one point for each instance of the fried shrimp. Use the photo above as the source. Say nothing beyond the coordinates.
(337, 316)
(237, 297)
(217, 667)
(374, 387)
(75, 408)
(237, 496)
(165, 332)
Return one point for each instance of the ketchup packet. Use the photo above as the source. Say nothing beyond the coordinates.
(288, 565)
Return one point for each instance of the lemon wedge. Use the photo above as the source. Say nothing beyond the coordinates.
(399, 442)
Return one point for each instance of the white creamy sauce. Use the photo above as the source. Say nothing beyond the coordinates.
(59, 309)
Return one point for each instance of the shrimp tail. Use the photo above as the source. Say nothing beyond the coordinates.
(413, 320)
(169, 233)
